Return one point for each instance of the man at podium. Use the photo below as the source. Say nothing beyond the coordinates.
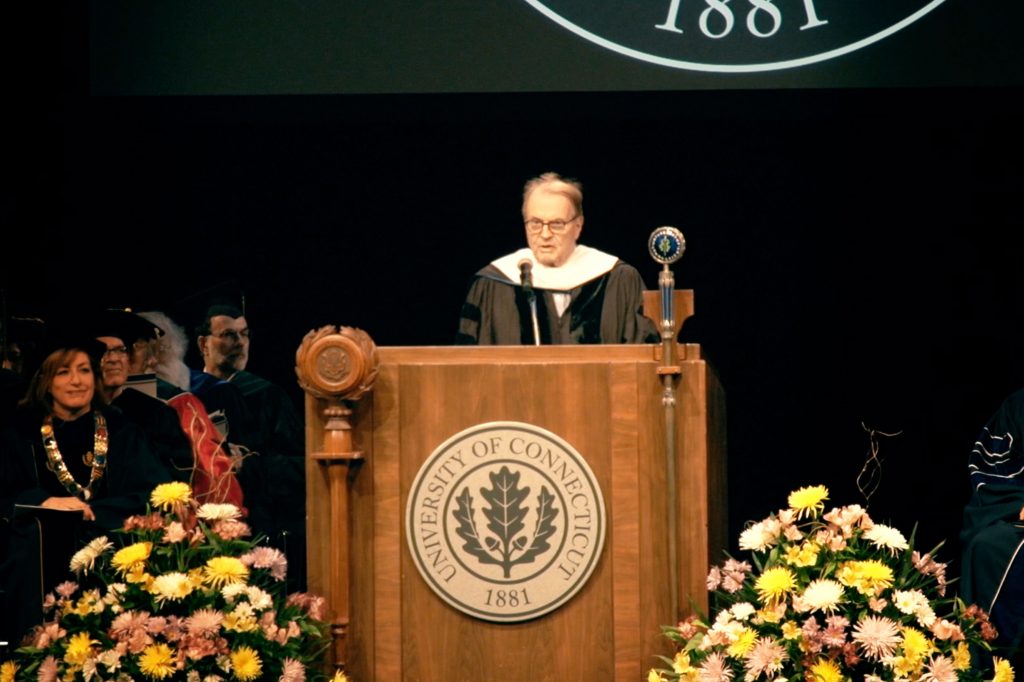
(555, 291)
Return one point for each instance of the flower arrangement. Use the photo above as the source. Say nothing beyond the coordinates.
(828, 597)
(185, 597)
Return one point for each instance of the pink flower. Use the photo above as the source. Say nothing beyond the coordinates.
(48, 670)
(292, 671)
(733, 566)
(267, 558)
(156, 625)
(715, 669)
(152, 521)
(231, 529)
(876, 636)
(943, 629)
(835, 633)
(731, 585)
(47, 633)
(812, 634)
(940, 670)
(195, 648)
(714, 578)
(766, 656)
(175, 532)
(174, 629)
(311, 604)
(204, 623)
(687, 628)
(66, 589)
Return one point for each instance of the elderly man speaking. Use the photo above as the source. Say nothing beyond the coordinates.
(556, 291)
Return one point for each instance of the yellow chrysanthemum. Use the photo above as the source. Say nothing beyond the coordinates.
(744, 642)
(825, 670)
(808, 501)
(157, 661)
(132, 557)
(1003, 670)
(869, 577)
(652, 676)
(916, 646)
(340, 676)
(224, 570)
(246, 664)
(962, 657)
(79, 649)
(171, 586)
(166, 495)
(8, 669)
(775, 583)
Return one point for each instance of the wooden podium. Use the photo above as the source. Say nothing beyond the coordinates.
(374, 416)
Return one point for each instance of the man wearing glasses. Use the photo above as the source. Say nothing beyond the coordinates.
(555, 291)
(129, 357)
(273, 474)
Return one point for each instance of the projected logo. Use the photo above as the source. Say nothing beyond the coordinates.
(734, 36)
(505, 521)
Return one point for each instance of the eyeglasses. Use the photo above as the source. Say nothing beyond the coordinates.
(536, 225)
(116, 350)
(232, 335)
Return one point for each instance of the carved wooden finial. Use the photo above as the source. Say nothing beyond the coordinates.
(336, 362)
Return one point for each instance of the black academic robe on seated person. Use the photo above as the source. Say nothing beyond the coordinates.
(163, 428)
(605, 309)
(37, 545)
(993, 532)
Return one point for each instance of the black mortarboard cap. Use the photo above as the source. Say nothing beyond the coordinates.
(123, 324)
(22, 329)
(193, 309)
(68, 334)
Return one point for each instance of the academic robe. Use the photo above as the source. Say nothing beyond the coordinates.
(38, 544)
(161, 424)
(273, 475)
(993, 533)
(606, 304)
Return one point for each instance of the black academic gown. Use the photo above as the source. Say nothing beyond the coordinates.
(163, 428)
(38, 544)
(261, 417)
(277, 472)
(606, 309)
(993, 533)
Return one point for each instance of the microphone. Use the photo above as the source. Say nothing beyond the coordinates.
(526, 280)
(526, 275)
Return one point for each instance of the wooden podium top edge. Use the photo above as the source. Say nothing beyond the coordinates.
(443, 355)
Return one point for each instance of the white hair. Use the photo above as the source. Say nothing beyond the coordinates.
(171, 349)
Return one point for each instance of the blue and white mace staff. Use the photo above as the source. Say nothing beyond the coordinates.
(666, 245)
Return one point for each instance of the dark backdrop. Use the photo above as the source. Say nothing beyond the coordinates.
(853, 252)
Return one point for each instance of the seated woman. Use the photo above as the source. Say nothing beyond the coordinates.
(70, 470)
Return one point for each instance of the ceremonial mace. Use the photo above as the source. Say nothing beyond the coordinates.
(666, 246)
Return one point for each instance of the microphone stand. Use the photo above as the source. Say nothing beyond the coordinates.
(531, 297)
(666, 246)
